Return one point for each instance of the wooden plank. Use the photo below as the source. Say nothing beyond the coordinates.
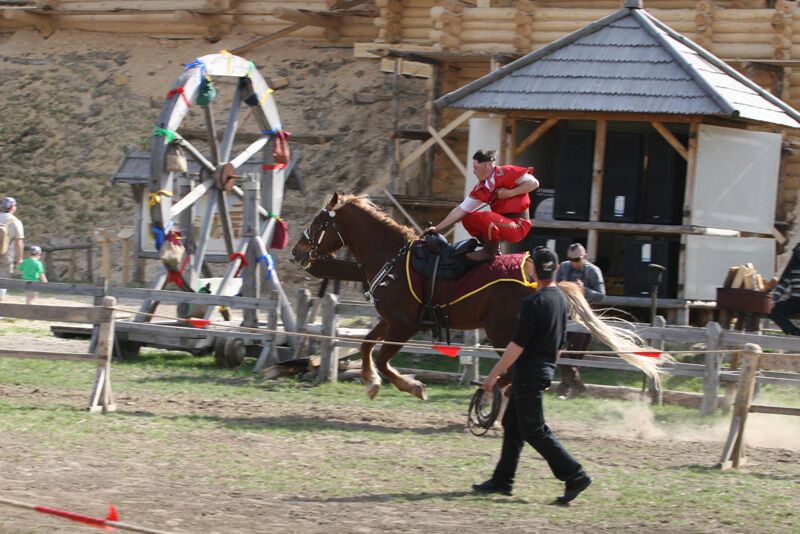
(535, 135)
(67, 314)
(691, 171)
(780, 410)
(417, 152)
(267, 39)
(670, 138)
(713, 367)
(45, 355)
(447, 150)
(174, 333)
(308, 18)
(744, 398)
(268, 305)
(784, 362)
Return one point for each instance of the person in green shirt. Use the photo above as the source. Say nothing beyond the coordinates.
(33, 271)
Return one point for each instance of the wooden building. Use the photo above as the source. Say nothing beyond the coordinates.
(654, 150)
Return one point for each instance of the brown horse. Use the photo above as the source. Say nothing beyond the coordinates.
(379, 244)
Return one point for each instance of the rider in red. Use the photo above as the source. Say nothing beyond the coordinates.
(505, 189)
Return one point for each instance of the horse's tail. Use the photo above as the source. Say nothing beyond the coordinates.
(624, 342)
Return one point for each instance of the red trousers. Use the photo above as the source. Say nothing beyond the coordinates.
(492, 226)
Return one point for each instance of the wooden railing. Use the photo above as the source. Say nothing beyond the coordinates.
(101, 399)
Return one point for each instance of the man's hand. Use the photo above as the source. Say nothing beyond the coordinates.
(580, 285)
(489, 382)
(770, 305)
(430, 230)
(503, 193)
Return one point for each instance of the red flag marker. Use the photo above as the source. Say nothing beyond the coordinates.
(652, 354)
(80, 518)
(448, 350)
(199, 323)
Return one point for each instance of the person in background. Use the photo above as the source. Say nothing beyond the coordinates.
(587, 275)
(33, 271)
(540, 334)
(12, 235)
(505, 189)
(789, 287)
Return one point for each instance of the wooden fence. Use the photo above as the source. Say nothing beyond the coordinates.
(101, 399)
(733, 453)
(724, 343)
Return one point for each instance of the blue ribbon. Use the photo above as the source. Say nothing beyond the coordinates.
(196, 63)
(268, 264)
(159, 236)
(276, 131)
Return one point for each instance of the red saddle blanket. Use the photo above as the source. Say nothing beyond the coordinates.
(504, 268)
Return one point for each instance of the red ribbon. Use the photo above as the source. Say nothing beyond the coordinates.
(273, 167)
(80, 518)
(179, 91)
(199, 323)
(176, 277)
(648, 354)
(242, 265)
(448, 350)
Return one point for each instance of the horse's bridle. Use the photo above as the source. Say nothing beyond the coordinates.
(316, 241)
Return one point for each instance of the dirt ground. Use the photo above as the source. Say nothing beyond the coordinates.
(180, 462)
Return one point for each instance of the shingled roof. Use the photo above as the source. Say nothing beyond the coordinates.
(627, 62)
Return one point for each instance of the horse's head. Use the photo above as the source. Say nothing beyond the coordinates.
(321, 238)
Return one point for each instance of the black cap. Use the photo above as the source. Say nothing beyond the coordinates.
(545, 261)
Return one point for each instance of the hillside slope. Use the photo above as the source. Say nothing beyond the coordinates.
(70, 104)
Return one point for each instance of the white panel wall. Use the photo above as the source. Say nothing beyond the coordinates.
(484, 133)
(708, 259)
(736, 179)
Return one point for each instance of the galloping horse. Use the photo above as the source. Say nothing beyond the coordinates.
(379, 246)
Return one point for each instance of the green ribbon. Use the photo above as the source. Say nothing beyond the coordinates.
(250, 67)
(169, 134)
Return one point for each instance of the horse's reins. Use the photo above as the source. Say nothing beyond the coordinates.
(313, 254)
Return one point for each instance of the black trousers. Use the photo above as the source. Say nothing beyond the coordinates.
(781, 313)
(523, 423)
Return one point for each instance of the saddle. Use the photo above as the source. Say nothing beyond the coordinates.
(437, 260)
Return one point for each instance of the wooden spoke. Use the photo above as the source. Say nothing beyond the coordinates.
(232, 126)
(191, 198)
(205, 230)
(240, 195)
(197, 155)
(248, 152)
(213, 143)
(225, 219)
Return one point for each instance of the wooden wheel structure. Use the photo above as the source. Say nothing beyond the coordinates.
(201, 202)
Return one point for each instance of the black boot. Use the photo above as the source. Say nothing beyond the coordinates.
(573, 488)
(490, 486)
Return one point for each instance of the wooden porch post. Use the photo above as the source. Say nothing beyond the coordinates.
(598, 169)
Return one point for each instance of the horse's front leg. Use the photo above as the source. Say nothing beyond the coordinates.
(401, 382)
(371, 379)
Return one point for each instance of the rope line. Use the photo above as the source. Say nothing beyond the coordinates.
(411, 344)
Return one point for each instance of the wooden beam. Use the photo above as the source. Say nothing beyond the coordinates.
(266, 39)
(42, 23)
(411, 158)
(344, 4)
(691, 169)
(403, 211)
(670, 138)
(308, 18)
(67, 314)
(447, 150)
(535, 135)
(598, 170)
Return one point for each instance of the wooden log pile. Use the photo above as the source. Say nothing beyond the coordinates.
(747, 277)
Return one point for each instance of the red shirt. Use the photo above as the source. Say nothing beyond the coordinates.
(503, 177)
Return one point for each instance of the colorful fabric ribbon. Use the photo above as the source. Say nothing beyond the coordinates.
(269, 265)
(169, 134)
(158, 235)
(176, 277)
(243, 263)
(179, 91)
(196, 63)
(274, 167)
(155, 198)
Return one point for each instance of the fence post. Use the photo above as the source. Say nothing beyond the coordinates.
(470, 364)
(711, 373)
(329, 364)
(303, 307)
(741, 407)
(102, 399)
(102, 288)
(657, 393)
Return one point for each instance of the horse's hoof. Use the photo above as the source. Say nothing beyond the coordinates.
(419, 391)
(372, 390)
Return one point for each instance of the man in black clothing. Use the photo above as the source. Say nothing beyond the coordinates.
(540, 334)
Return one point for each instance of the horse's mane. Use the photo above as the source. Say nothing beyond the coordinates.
(366, 205)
